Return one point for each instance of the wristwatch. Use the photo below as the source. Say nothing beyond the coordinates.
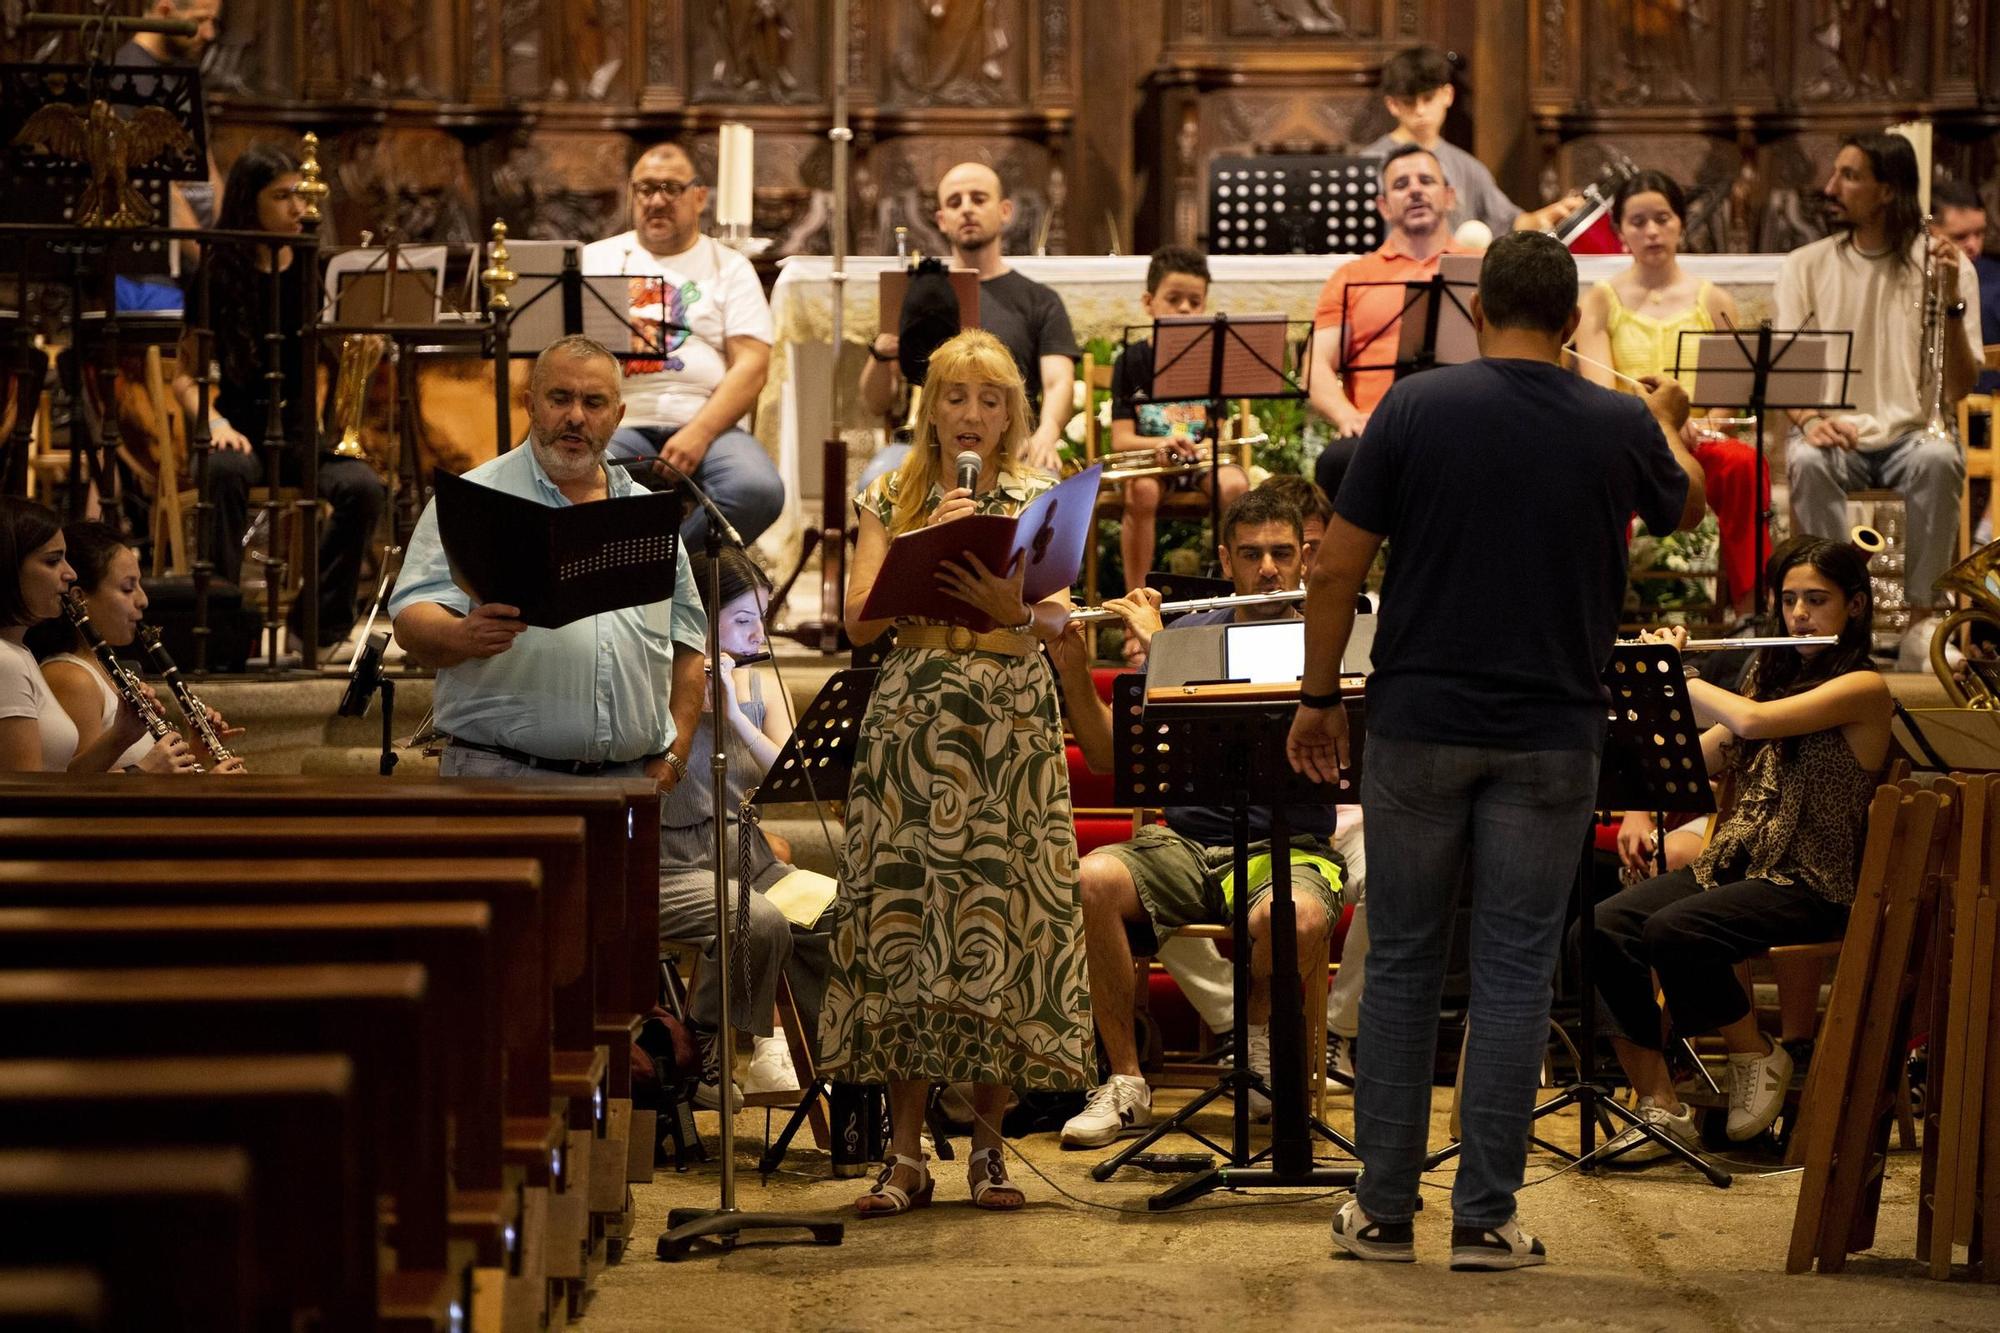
(877, 355)
(678, 764)
(1956, 310)
(1320, 700)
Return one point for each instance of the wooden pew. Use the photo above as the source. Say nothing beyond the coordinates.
(574, 910)
(509, 892)
(623, 835)
(166, 1232)
(450, 940)
(313, 1249)
(51, 1300)
(373, 1014)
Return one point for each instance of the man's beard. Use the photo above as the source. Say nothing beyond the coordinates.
(559, 465)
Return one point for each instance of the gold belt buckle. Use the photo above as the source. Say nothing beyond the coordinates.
(952, 638)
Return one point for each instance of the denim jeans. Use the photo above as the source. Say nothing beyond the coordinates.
(735, 472)
(1930, 476)
(1517, 819)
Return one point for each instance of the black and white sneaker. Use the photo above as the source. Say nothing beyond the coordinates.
(1121, 1105)
(1495, 1249)
(1340, 1059)
(1360, 1235)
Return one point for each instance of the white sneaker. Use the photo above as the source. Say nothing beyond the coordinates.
(1757, 1086)
(1121, 1105)
(1635, 1146)
(1260, 1064)
(771, 1066)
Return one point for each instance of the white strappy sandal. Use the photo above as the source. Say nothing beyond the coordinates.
(898, 1199)
(988, 1177)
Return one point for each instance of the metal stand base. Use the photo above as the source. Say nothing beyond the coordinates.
(1598, 1107)
(726, 1226)
(1239, 1170)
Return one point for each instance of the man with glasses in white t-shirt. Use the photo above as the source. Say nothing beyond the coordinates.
(701, 303)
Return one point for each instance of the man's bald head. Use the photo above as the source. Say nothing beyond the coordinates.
(973, 209)
(971, 175)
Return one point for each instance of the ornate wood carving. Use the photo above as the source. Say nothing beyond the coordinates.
(956, 53)
(1290, 18)
(1668, 51)
(1554, 41)
(768, 51)
(1861, 49)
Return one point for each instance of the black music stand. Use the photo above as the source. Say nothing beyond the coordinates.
(1737, 369)
(1207, 751)
(1652, 761)
(1294, 204)
(814, 768)
(1205, 359)
(1433, 300)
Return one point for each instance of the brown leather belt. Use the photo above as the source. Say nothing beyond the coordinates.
(959, 639)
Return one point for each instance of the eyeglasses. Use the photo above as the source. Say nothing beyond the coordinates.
(671, 191)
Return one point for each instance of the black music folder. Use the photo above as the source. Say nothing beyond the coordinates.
(558, 564)
(1047, 536)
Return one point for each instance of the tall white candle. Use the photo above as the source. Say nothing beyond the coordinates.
(732, 204)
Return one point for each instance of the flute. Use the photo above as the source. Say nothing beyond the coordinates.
(191, 707)
(1768, 641)
(1197, 604)
(1095, 613)
(122, 680)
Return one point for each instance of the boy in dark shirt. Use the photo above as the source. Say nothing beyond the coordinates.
(1176, 284)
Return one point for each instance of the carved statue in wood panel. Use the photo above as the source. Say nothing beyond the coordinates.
(384, 47)
(1861, 46)
(584, 56)
(1658, 42)
(756, 56)
(956, 53)
(1319, 18)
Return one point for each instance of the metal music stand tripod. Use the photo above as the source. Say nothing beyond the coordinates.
(1207, 359)
(1764, 369)
(726, 1223)
(1438, 302)
(1652, 761)
(1224, 745)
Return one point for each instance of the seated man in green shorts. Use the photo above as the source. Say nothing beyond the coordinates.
(1137, 893)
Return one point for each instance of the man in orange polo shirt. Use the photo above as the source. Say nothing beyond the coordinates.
(1365, 323)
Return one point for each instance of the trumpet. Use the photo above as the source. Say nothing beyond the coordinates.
(122, 680)
(191, 707)
(1125, 464)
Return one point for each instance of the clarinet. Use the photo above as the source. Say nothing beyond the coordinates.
(122, 680)
(191, 706)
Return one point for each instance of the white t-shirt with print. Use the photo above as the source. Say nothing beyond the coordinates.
(705, 294)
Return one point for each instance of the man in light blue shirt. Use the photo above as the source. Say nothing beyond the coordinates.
(608, 695)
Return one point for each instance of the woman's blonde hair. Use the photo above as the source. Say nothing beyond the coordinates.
(973, 357)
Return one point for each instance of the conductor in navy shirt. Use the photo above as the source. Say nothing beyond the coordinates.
(1503, 487)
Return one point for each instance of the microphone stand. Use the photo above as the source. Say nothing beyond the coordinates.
(724, 1223)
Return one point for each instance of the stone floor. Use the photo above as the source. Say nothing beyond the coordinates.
(1656, 1248)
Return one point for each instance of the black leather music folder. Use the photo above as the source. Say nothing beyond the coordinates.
(558, 564)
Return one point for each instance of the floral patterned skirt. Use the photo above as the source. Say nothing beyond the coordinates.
(958, 930)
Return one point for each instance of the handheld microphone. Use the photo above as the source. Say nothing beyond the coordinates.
(968, 465)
